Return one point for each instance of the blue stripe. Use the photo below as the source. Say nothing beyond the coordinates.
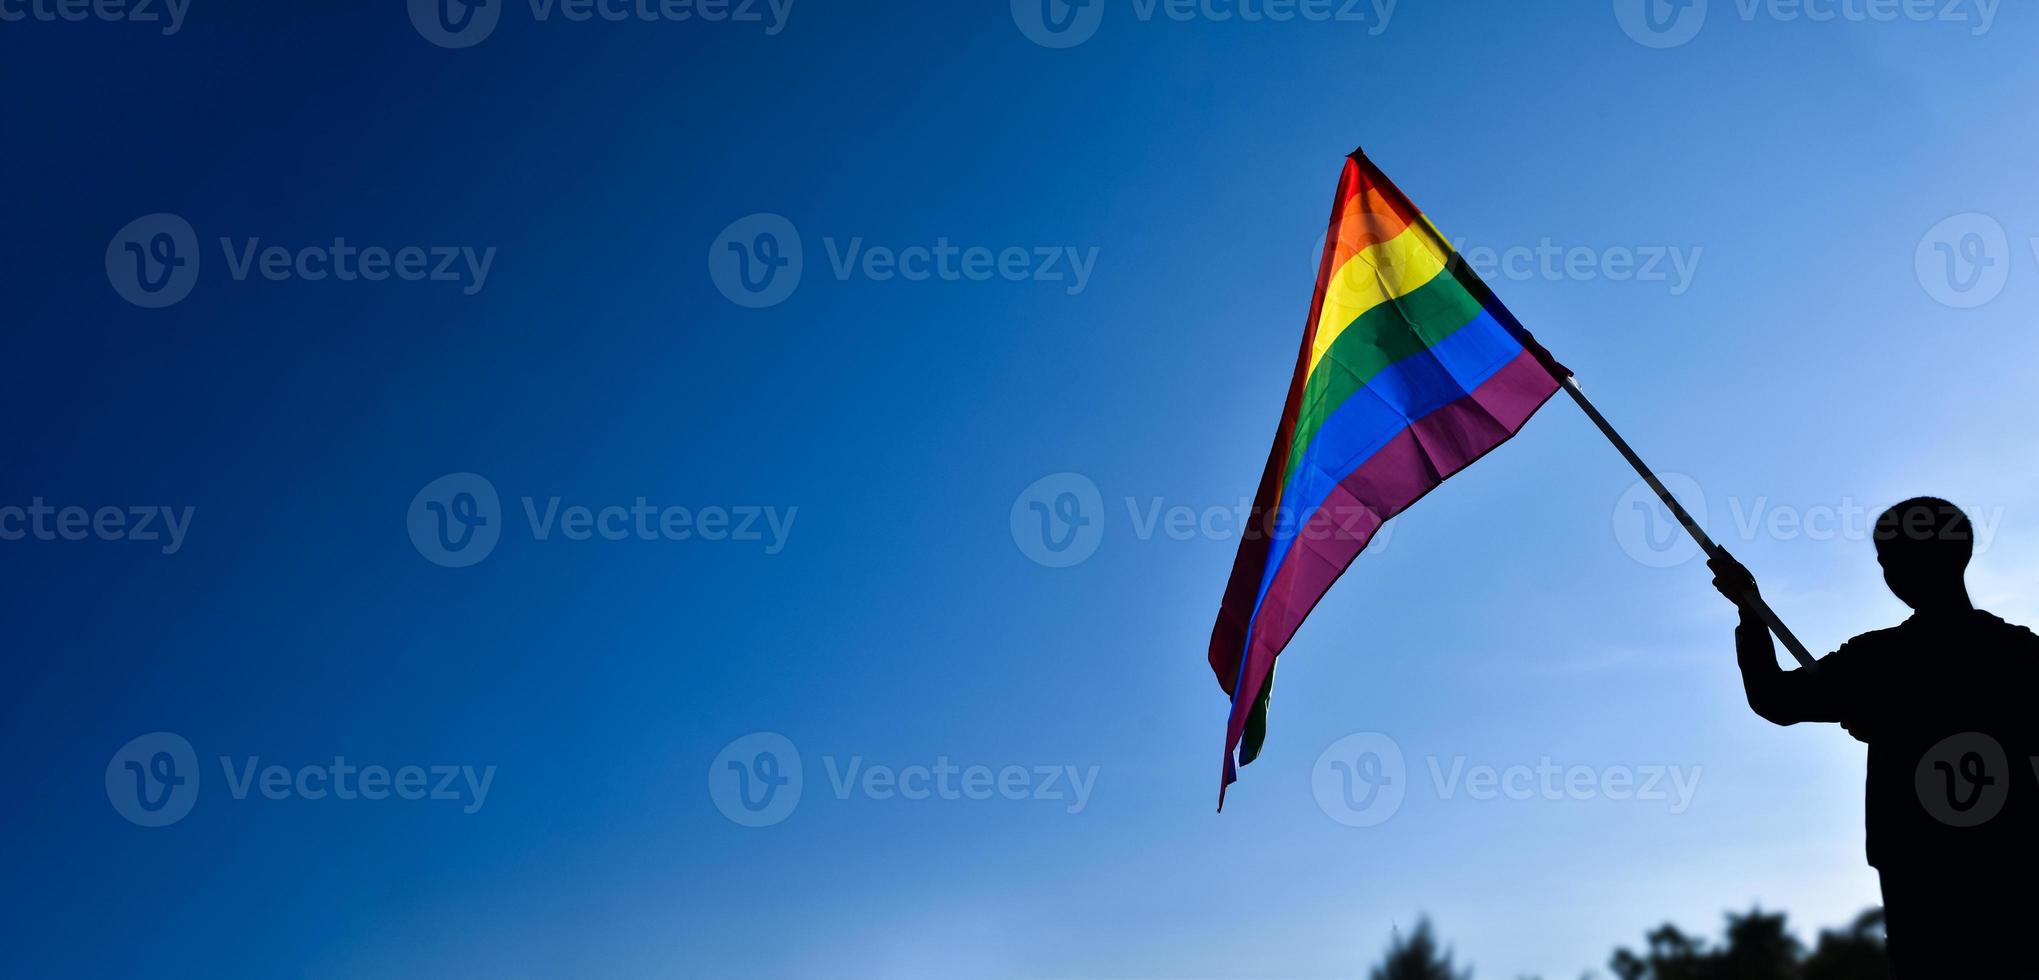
(1389, 403)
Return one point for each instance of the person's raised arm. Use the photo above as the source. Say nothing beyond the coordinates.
(1781, 697)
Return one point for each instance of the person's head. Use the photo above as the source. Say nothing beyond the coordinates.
(1924, 545)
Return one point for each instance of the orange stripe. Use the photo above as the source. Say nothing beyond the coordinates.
(1366, 217)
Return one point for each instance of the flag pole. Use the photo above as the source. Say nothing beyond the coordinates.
(1751, 600)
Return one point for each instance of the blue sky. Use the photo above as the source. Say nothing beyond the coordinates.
(1796, 269)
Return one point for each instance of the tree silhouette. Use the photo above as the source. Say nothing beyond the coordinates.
(1417, 959)
(1756, 946)
(1760, 948)
(1672, 955)
(1854, 954)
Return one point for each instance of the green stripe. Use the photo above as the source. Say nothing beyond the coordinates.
(1390, 332)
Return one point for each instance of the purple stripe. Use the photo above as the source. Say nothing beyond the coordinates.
(1379, 410)
(1410, 465)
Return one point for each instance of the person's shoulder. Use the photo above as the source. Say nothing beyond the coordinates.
(1870, 647)
(1882, 639)
(2011, 633)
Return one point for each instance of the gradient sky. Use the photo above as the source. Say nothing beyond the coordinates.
(1804, 367)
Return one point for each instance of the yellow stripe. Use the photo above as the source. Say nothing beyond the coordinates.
(1389, 270)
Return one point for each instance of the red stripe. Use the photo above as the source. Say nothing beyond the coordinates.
(1366, 207)
(1370, 212)
(1412, 464)
(1228, 634)
(1393, 199)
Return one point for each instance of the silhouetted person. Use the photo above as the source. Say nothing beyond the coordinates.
(1945, 702)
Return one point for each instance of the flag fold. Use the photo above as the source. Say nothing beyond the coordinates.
(1410, 370)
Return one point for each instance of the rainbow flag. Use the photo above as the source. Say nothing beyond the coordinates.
(1410, 370)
